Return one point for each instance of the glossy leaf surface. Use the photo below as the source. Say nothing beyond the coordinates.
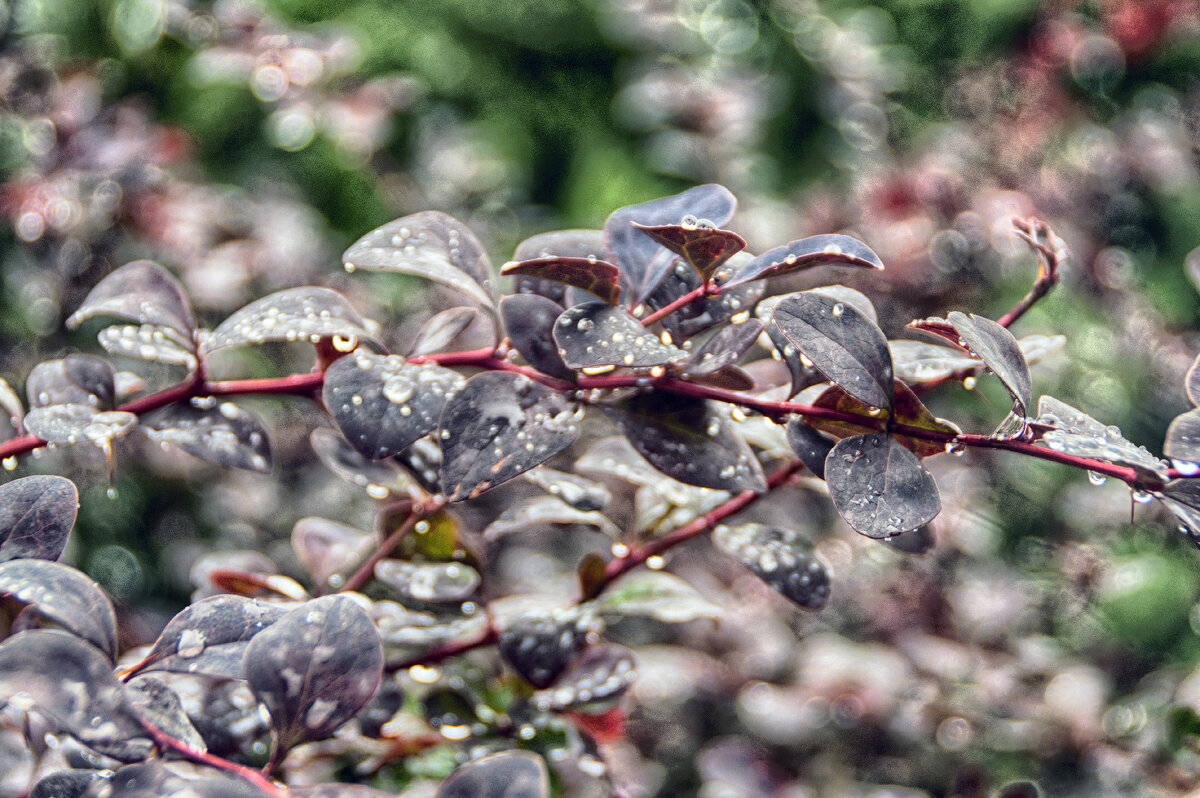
(315, 668)
(597, 277)
(380, 478)
(141, 292)
(428, 244)
(999, 351)
(806, 253)
(1182, 443)
(724, 348)
(879, 487)
(1076, 433)
(325, 548)
(594, 680)
(210, 636)
(643, 261)
(528, 320)
(658, 595)
(75, 379)
(809, 445)
(777, 557)
(690, 440)
(431, 582)
(540, 645)
(65, 596)
(217, 432)
(147, 342)
(907, 411)
(36, 516)
(75, 423)
(307, 313)
(441, 330)
(847, 347)
(499, 426)
(704, 247)
(596, 335)
(508, 774)
(383, 404)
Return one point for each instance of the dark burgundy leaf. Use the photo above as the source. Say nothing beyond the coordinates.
(917, 361)
(218, 432)
(423, 462)
(805, 254)
(307, 313)
(315, 668)
(142, 292)
(36, 515)
(597, 277)
(1074, 432)
(809, 445)
(907, 411)
(326, 548)
(690, 440)
(66, 597)
(68, 784)
(1192, 382)
(440, 331)
(593, 682)
(529, 322)
(71, 682)
(879, 487)
(508, 774)
(776, 557)
(731, 378)
(724, 348)
(642, 261)
(383, 404)
(698, 316)
(1182, 444)
(380, 478)
(499, 426)
(75, 379)
(596, 335)
(1000, 352)
(152, 701)
(540, 645)
(428, 244)
(846, 346)
(705, 248)
(210, 636)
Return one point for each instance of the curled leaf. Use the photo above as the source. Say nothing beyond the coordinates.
(307, 313)
(805, 254)
(218, 432)
(142, 292)
(703, 246)
(588, 274)
(441, 330)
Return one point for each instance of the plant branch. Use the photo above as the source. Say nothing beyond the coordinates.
(704, 291)
(1051, 255)
(168, 743)
(419, 512)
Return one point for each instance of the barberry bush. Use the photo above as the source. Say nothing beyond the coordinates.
(614, 394)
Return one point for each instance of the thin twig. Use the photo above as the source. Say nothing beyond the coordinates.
(366, 572)
(1050, 256)
(167, 742)
(704, 291)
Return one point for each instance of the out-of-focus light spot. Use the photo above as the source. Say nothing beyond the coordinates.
(30, 226)
(1098, 63)
(269, 83)
(137, 25)
(292, 129)
(729, 26)
(954, 733)
(118, 570)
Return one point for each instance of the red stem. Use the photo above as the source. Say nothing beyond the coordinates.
(705, 290)
(366, 571)
(167, 742)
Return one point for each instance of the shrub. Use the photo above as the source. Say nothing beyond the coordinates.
(639, 377)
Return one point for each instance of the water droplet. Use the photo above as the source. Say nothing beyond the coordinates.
(350, 267)
(832, 249)
(1096, 478)
(689, 222)
(839, 309)
(969, 383)
(111, 493)
(655, 563)
(1186, 468)
(1141, 496)
(191, 644)
(10, 463)
(377, 491)
(584, 325)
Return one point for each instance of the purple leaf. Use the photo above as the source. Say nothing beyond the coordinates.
(219, 432)
(65, 596)
(596, 335)
(307, 313)
(594, 276)
(315, 668)
(75, 379)
(142, 292)
(529, 321)
(210, 636)
(1000, 352)
(704, 248)
(508, 774)
(441, 330)
(36, 516)
(805, 254)
(879, 487)
(776, 557)
(499, 426)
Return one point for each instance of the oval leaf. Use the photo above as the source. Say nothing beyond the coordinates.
(508, 774)
(430, 582)
(581, 494)
(643, 261)
(593, 682)
(597, 277)
(528, 320)
(441, 330)
(776, 557)
(326, 548)
(809, 445)
(65, 596)
(596, 335)
(380, 478)
(690, 440)
(148, 342)
(142, 292)
(704, 247)
(428, 244)
(1076, 433)
(847, 347)
(658, 595)
(219, 432)
(1000, 352)
(307, 313)
(806, 253)
(499, 426)
(36, 515)
(917, 361)
(315, 668)
(72, 683)
(879, 487)
(68, 424)
(1182, 444)
(542, 511)
(383, 404)
(540, 645)
(210, 636)
(75, 379)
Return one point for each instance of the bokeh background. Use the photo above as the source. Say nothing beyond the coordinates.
(1052, 633)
